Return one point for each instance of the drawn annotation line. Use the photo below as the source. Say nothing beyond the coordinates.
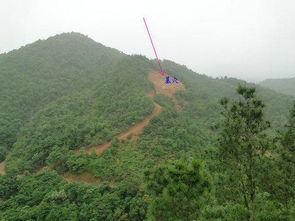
(151, 40)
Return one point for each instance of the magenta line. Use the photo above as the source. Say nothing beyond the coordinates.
(153, 46)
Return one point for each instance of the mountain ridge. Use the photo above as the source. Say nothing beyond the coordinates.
(282, 85)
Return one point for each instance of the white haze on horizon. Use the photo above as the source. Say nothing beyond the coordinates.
(251, 40)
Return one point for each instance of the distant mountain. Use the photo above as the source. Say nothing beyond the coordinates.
(284, 86)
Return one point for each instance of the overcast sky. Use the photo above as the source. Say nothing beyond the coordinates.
(248, 39)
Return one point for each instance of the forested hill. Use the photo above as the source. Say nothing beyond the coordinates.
(63, 95)
(284, 86)
(73, 91)
(46, 70)
(205, 92)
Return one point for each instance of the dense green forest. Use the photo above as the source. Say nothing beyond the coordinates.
(44, 71)
(284, 86)
(227, 155)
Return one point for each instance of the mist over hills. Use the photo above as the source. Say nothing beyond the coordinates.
(61, 96)
(284, 86)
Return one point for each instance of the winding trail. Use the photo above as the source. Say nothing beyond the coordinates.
(134, 131)
(159, 88)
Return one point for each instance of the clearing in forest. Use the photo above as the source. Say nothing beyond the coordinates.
(166, 89)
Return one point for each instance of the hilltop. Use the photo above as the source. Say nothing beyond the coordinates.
(41, 72)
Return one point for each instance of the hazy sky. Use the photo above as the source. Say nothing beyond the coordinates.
(248, 39)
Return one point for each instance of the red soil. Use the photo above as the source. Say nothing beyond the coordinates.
(2, 168)
(166, 89)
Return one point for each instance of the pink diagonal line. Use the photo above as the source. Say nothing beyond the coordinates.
(153, 46)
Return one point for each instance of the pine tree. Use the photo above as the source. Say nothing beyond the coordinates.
(285, 184)
(243, 147)
(289, 137)
(176, 190)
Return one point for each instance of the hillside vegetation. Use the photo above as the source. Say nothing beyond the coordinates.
(66, 94)
(44, 71)
(284, 86)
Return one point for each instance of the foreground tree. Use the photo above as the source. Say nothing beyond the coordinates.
(285, 178)
(176, 190)
(243, 147)
(289, 137)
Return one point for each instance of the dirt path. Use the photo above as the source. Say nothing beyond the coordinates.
(133, 131)
(2, 168)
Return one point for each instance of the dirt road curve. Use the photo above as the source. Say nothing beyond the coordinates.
(135, 130)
